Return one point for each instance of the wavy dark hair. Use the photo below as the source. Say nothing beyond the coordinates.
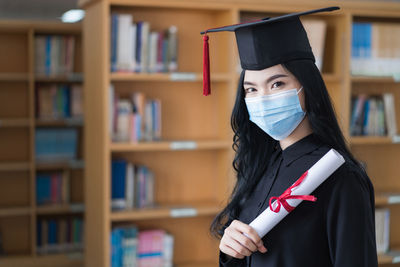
(253, 147)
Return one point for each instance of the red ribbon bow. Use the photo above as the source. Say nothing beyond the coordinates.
(281, 200)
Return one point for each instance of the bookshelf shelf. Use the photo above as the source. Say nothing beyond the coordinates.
(165, 77)
(15, 166)
(60, 209)
(390, 257)
(371, 140)
(383, 199)
(8, 212)
(373, 79)
(60, 122)
(15, 123)
(62, 260)
(75, 164)
(197, 264)
(14, 77)
(162, 212)
(170, 146)
(74, 78)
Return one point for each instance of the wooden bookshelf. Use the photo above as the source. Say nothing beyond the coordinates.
(18, 80)
(168, 211)
(380, 154)
(207, 154)
(18, 77)
(170, 146)
(371, 140)
(165, 77)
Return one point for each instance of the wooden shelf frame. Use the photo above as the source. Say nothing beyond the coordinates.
(18, 81)
(101, 150)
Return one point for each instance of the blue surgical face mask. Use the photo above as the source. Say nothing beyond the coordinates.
(276, 114)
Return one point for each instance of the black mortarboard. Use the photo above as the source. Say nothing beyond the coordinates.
(266, 42)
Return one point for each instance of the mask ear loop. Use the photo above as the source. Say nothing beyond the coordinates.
(301, 88)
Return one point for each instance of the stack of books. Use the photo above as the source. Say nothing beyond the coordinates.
(133, 248)
(52, 188)
(375, 49)
(59, 235)
(59, 101)
(132, 186)
(56, 144)
(54, 54)
(134, 48)
(373, 115)
(134, 119)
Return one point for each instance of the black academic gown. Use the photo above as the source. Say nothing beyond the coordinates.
(337, 230)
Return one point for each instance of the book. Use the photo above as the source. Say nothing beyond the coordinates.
(382, 230)
(118, 184)
(54, 54)
(59, 235)
(132, 185)
(124, 43)
(59, 102)
(52, 188)
(56, 144)
(390, 114)
(135, 47)
(147, 248)
(135, 118)
(375, 49)
(373, 116)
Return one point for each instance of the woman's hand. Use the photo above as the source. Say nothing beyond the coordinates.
(236, 244)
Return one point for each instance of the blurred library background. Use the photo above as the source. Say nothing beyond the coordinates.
(111, 157)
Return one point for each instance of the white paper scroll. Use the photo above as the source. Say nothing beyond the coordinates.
(317, 174)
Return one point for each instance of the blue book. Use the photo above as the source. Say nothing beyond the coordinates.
(139, 46)
(48, 55)
(114, 34)
(368, 40)
(56, 144)
(43, 189)
(66, 101)
(52, 232)
(116, 247)
(354, 40)
(129, 245)
(366, 117)
(39, 233)
(118, 177)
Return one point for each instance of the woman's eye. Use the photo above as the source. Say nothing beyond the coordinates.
(277, 84)
(250, 90)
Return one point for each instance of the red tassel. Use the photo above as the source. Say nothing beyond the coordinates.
(206, 67)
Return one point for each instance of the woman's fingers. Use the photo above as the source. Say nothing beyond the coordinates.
(230, 251)
(244, 240)
(240, 240)
(238, 247)
(248, 231)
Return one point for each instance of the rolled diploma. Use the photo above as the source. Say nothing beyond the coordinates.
(317, 174)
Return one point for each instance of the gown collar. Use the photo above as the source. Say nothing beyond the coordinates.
(300, 148)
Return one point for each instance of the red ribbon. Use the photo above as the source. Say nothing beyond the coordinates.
(281, 200)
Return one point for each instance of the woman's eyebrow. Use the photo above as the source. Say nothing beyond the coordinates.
(270, 79)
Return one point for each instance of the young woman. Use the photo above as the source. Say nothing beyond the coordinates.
(284, 122)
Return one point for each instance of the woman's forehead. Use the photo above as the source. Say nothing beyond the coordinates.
(265, 73)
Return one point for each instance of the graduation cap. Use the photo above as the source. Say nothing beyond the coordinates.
(266, 42)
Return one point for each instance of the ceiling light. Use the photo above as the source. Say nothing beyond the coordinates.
(73, 15)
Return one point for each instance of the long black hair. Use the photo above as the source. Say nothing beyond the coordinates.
(253, 147)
